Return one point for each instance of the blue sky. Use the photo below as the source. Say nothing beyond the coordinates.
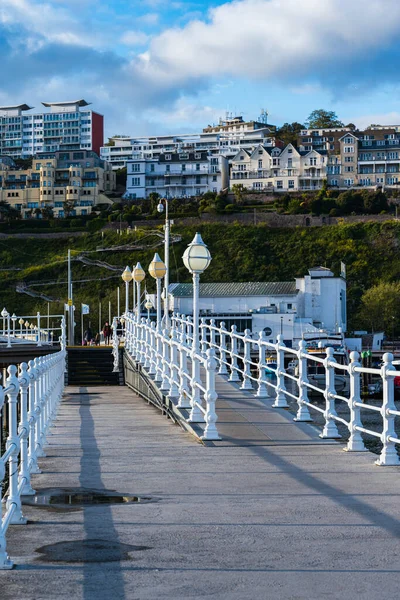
(159, 66)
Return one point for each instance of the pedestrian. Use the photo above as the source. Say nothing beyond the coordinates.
(119, 329)
(97, 339)
(107, 332)
(88, 336)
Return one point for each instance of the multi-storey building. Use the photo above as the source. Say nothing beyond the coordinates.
(76, 179)
(64, 127)
(176, 174)
(368, 158)
(225, 139)
(277, 169)
(321, 139)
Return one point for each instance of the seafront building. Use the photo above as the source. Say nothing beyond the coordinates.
(67, 183)
(68, 125)
(307, 304)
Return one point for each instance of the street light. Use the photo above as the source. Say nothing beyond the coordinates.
(157, 270)
(4, 314)
(196, 259)
(14, 319)
(148, 305)
(21, 322)
(138, 276)
(160, 208)
(127, 277)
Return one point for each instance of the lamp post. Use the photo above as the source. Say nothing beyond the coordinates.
(21, 322)
(157, 270)
(14, 320)
(127, 277)
(196, 258)
(148, 306)
(138, 276)
(4, 314)
(27, 329)
(167, 226)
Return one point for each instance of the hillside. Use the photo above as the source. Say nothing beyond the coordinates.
(240, 253)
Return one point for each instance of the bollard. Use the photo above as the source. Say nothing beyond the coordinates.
(280, 400)
(330, 429)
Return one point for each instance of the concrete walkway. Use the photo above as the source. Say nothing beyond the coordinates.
(270, 513)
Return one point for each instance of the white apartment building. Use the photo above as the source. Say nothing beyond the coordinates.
(224, 139)
(176, 174)
(64, 127)
(307, 304)
(278, 169)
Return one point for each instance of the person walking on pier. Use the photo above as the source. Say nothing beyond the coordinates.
(107, 333)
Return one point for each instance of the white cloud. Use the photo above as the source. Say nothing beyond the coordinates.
(186, 114)
(134, 38)
(149, 19)
(271, 38)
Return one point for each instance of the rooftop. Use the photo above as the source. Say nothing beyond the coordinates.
(218, 290)
(67, 103)
(16, 107)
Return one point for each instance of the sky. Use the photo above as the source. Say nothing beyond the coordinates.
(164, 66)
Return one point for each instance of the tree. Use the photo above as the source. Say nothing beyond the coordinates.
(47, 212)
(323, 119)
(380, 307)
(288, 132)
(68, 206)
(351, 126)
(238, 190)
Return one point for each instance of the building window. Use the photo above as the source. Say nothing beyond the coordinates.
(279, 185)
(214, 178)
(135, 181)
(260, 164)
(197, 167)
(167, 157)
(349, 140)
(135, 167)
(291, 184)
(348, 159)
(348, 149)
(198, 179)
(348, 169)
(168, 168)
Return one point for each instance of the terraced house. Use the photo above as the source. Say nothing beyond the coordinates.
(58, 184)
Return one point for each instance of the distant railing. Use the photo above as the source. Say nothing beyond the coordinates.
(31, 394)
(312, 379)
(16, 329)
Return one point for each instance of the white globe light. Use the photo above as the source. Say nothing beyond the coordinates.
(138, 273)
(160, 207)
(197, 256)
(127, 275)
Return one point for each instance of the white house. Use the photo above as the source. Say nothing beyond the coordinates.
(311, 303)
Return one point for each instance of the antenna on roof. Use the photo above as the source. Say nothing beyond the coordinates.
(264, 116)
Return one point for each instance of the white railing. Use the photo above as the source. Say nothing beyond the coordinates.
(15, 329)
(33, 392)
(180, 371)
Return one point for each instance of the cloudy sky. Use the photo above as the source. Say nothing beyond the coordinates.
(157, 66)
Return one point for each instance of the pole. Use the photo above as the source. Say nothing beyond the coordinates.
(81, 324)
(99, 317)
(158, 304)
(138, 301)
(196, 282)
(118, 304)
(166, 260)
(133, 295)
(127, 297)
(109, 312)
(48, 316)
(70, 311)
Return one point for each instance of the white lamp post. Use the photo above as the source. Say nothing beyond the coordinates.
(14, 320)
(196, 258)
(167, 225)
(157, 270)
(138, 276)
(148, 306)
(127, 277)
(4, 314)
(21, 322)
(27, 329)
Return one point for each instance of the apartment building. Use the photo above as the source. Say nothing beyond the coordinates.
(370, 158)
(176, 174)
(224, 139)
(277, 169)
(64, 127)
(73, 179)
(321, 139)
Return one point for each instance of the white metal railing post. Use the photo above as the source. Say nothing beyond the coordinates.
(158, 373)
(210, 431)
(246, 384)
(115, 344)
(222, 350)
(39, 340)
(8, 331)
(40, 451)
(234, 376)
(388, 456)
(142, 351)
(32, 415)
(262, 388)
(24, 477)
(38, 409)
(330, 429)
(184, 398)
(153, 351)
(165, 387)
(174, 368)
(303, 413)
(147, 341)
(5, 562)
(280, 399)
(13, 443)
(203, 335)
(212, 334)
(355, 443)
